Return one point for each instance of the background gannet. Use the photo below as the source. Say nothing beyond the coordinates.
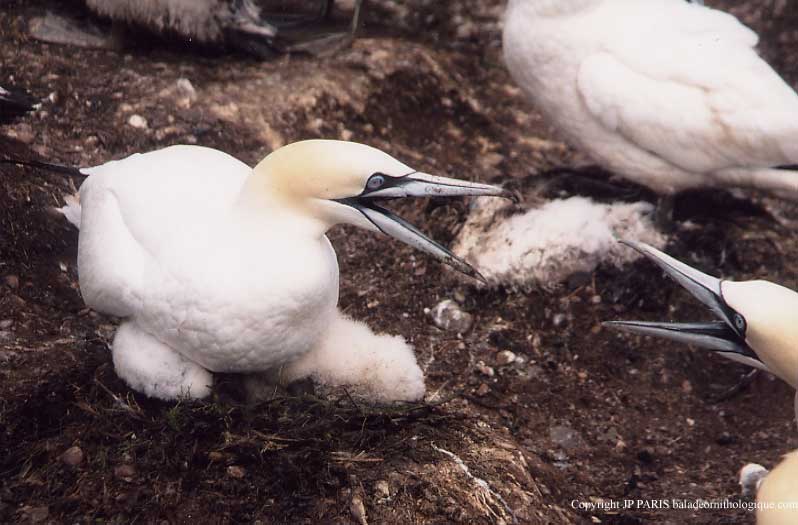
(777, 497)
(14, 103)
(757, 319)
(240, 24)
(667, 93)
(218, 267)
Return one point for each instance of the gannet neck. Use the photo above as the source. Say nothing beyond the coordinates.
(262, 205)
(547, 8)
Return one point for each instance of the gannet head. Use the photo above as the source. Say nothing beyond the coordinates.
(337, 182)
(777, 496)
(756, 319)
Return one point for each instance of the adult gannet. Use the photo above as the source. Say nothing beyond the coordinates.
(218, 267)
(757, 323)
(14, 103)
(777, 496)
(668, 93)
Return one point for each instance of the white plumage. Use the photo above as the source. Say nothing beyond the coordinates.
(545, 245)
(163, 245)
(670, 94)
(216, 267)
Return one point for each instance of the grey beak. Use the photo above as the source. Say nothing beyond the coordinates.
(420, 185)
(725, 336)
(424, 185)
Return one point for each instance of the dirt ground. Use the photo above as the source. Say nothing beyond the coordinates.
(583, 414)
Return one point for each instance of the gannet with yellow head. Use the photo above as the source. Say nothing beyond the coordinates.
(757, 322)
(218, 267)
(777, 496)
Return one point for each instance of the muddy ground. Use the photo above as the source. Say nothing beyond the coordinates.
(582, 414)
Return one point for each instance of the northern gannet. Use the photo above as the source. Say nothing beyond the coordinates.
(777, 496)
(757, 319)
(218, 267)
(240, 24)
(670, 94)
(14, 103)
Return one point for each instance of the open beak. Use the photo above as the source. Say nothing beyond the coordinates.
(725, 336)
(420, 185)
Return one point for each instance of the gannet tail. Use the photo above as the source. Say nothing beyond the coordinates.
(71, 210)
(56, 168)
(15, 103)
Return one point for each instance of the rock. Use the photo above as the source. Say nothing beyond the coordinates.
(358, 510)
(382, 489)
(505, 357)
(565, 436)
(215, 457)
(751, 476)
(186, 89)
(448, 315)
(234, 471)
(73, 456)
(483, 390)
(137, 121)
(485, 370)
(5, 324)
(126, 472)
(35, 514)
(12, 281)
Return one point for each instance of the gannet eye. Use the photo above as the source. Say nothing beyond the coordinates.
(739, 323)
(375, 182)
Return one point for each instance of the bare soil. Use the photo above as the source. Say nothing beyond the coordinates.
(585, 413)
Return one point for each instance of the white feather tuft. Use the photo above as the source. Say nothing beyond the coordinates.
(377, 367)
(751, 476)
(543, 246)
(71, 210)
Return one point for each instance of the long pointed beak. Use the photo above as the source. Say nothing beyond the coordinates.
(391, 224)
(724, 336)
(716, 336)
(703, 287)
(420, 185)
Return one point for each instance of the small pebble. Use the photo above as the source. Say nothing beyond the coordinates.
(483, 390)
(73, 456)
(382, 489)
(505, 357)
(565, 436)
(234, 471)
(485, 370)
(137, 121)
(447, 315)
(36, 514)
(186, 88)
(12, 281)
(125, 472)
